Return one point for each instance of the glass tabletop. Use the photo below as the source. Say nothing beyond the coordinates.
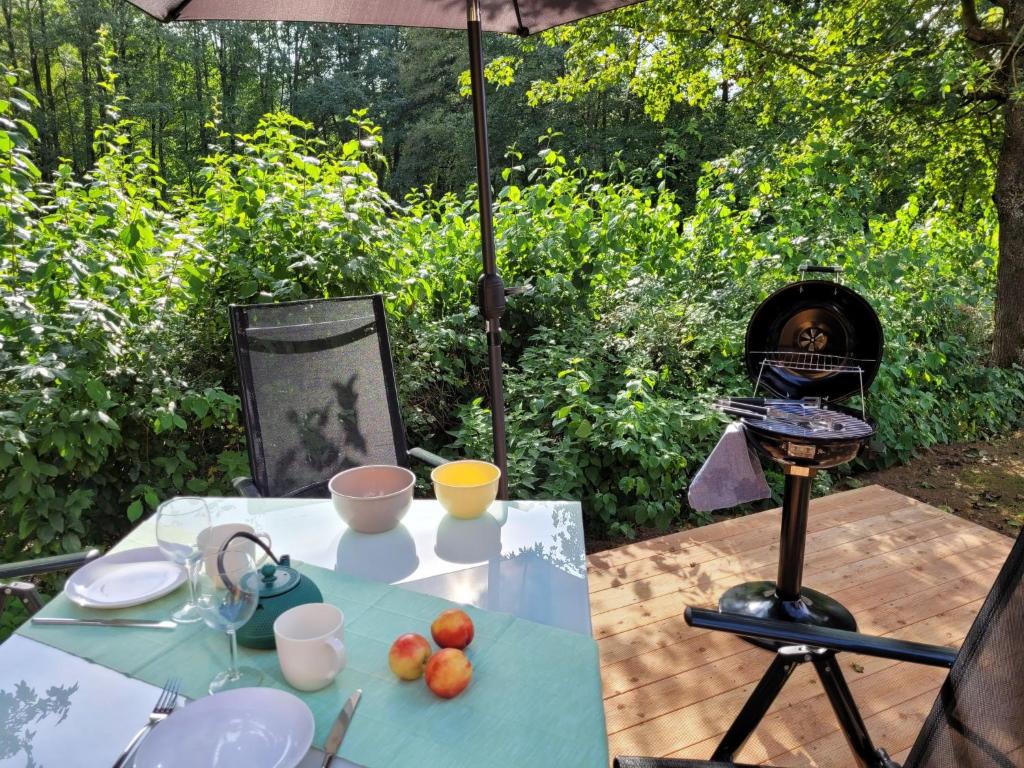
(526, 558)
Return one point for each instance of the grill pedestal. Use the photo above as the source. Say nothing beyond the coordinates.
(785, 599)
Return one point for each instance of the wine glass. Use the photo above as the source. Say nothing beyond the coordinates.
(227, 591)
(179, 522)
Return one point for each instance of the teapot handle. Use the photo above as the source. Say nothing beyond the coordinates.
(224, 549)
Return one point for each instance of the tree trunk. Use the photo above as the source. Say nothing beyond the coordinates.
(42, 120)
(88, 128)
(226, 69)
(102, 100)
(69, 108)
(159, 119)
(199, 82)
(12, 52)
(1008, 341)
(49, 101)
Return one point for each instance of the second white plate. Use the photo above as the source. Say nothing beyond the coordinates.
(244, 728)
(123, 579)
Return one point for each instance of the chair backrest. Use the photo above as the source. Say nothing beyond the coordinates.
(318, 391)
(978, 719)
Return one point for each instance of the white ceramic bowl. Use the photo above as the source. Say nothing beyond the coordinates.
(373, 498)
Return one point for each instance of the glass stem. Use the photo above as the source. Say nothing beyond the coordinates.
(233, 640)
(193, 573)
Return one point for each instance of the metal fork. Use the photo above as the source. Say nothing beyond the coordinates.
(164, 707)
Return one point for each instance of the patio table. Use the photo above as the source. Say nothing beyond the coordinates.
(525, 558)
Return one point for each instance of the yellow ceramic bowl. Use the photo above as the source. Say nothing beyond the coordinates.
(466, 488)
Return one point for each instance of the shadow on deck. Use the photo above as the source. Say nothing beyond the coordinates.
(904, 568)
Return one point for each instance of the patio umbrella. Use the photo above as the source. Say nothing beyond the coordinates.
(517, 17)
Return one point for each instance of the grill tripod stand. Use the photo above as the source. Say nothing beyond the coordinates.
(787, 659)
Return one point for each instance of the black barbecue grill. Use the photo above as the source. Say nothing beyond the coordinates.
(810, 346)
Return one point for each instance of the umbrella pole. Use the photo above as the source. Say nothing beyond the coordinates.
(490, 288)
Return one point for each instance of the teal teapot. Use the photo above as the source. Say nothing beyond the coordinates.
(281, 587)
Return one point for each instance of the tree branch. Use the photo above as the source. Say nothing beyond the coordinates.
(806, 63)
(989, 95)
(974, 30)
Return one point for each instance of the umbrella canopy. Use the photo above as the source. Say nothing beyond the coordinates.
(518, 17)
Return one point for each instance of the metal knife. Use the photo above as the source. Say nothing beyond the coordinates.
(337, 733)
(143, 623)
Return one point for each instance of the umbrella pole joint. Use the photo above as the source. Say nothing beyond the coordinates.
(490, 291)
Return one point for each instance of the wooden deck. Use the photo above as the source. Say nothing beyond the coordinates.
(904, 568)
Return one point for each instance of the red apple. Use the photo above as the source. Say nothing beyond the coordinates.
(448, 673)
(408, 656)
(452, 629)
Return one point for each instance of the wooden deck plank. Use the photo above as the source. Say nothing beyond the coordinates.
(896, 725)
(731, 535)
(677, 729)
(804, 721)
(904, 568)
(716, 559)
(876, 684)
(633, 706)
(672, 630)
(837, 566)
(871, 496)
(617, 647)
(703, 647)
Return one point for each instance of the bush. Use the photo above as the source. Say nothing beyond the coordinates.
(95, 426)
(119, 386)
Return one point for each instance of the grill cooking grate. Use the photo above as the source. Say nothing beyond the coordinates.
(843, 426)
(812, 362)
(796, 418)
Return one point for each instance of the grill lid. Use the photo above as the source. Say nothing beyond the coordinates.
(814, 338)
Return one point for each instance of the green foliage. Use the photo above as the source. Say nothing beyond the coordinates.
(119, 384)
(93, 424)
(637, 321)
(184, 82)
(14, 616)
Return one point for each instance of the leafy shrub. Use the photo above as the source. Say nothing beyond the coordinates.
(119, 387)
(94, 426)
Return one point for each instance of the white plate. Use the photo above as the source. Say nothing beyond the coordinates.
(121, 579)
(244, 728)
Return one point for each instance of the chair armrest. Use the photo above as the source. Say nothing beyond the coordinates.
(317, 490)
(427, 457)
(822, 637)
(43, 565)
(246, 487)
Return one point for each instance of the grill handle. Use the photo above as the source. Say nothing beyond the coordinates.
(820, 268)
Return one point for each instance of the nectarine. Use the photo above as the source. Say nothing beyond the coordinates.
(448, 673)
(408, 656)
(452, 629)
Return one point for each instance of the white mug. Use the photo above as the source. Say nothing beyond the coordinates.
(211, 539)
(310, 645)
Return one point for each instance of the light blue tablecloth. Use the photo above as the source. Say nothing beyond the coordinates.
(535, 699)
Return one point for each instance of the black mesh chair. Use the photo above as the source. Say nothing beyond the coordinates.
(977, 720)
(12, 575)
(318, 393)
